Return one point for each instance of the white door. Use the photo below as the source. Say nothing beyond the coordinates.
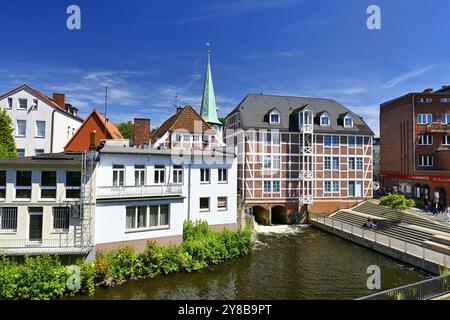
(359, 189)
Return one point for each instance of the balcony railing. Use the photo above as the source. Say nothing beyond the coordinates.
(438, 128)
(60, 245)
(138, 191)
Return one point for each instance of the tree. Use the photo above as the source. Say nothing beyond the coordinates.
(397, 202)
(126, 129)
(7, 142)
(222, 121)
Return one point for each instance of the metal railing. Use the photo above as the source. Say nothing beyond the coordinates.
(60, 242)
(138, 191)
(423, 290)
(391, 242)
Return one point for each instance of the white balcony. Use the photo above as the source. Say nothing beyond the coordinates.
(124, 192)
(63, 244)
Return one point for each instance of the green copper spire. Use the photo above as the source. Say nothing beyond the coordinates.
(209, 109)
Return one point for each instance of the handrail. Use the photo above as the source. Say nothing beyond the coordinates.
(422, 290)
(145, 190)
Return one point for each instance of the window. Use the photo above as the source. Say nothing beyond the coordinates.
(136, 217)
(445, 100)
(267, 186)
(275, 138)
(425, 140)
(39, 151)
(21, 128)
(327, 141)
(267, 162)
(8, 219)
(61, 216)
(324, 120)
(23, 104)
(40, 129)
(424, 118)
(177, 137)
(351, 141)
(23, 185)
(359, 163)
(327, 163)
(196, 138)
(20, 153)
(222, 203)
(177, 174)
(73, 184)
(351, 188)
(351, 163)
(139, 175)
(336, 141)
(335, 163)
(327, 187)
(268, 138)
(348, 122)
(446, 140)
(335, 186)
(10, 103)
(359, 142)
(276, 186)
(445, 118)
(159, 176)
(159, 216)
(118, 175)
(424, 100)
(2, 184)
(35, 104)
(276, 162)
(48, 185)
(204, 175)
(426, 161)
(274, 118)
(204, 204)
(223, 175)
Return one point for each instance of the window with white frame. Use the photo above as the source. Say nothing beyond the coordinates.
(139, 175)
(424, 100)
(325, 120)
(40, 129)
(327, 163)
(351, 163)
(335, 186)
(159, 176)
(348, 122)
(222, 175)
(204, 204)
(10, 103)
(359, 163)
(275, 138)
(21, 128)
(327, 142)
(268, 138)
(118, 175)
(222, 203)
(23, 104)
(424, 118)
(445, 100)
(196, 138)
(426, 161)
(48, 184)
(177, 137)
(425, 140)
(23, 184)
(274, 117)
(144, 217)
(359, 142)
(267, 161)
(446, 140)
(177, 174)
(205, 176)
(276, 186)
(327, 186)
(351, 141)
(8, 219)
(335, 163)
(159, 216)
(2, 184)
(276, 162)
(267, 186)
(336, 141)
(446, 118)
(61, 219)
(73, 184)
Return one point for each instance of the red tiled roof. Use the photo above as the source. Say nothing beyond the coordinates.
(48, 100)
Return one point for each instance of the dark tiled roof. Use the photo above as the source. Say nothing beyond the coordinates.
(62, 158)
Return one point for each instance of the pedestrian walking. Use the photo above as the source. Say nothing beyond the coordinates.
(447, 214)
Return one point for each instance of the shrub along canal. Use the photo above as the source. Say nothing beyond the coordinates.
(289, 262)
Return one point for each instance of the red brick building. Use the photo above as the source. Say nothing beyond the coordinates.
(415, 145)
(298, 155)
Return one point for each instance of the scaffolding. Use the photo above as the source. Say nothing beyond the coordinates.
(306, 156)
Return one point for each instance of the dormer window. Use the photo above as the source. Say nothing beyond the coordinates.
(348, 122)
(274, 118)
(325, 120)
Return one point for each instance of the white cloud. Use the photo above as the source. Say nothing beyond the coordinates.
(406, 76)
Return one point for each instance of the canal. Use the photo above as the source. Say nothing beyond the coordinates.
(289, 262)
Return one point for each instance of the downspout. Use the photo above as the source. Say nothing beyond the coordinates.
(52, 130)
(414, 131)
(189, 188)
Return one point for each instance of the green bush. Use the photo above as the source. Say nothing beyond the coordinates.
(124, 263)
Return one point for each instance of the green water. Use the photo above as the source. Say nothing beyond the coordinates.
(293, 263)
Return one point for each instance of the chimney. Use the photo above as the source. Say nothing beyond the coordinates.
(179, 109)
(60, 99)
(428, 90)
(92, 144)
(141, 132)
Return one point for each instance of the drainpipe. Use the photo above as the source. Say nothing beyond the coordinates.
(52, 130)
(414, 131)
(189, 188)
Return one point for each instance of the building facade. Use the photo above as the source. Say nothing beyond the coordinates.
(415, 145)
(298, 155)
(41, 124)
(146, 194)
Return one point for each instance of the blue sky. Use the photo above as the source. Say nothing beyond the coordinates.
(145, 51)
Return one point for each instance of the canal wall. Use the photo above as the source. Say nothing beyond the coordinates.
(405, 257)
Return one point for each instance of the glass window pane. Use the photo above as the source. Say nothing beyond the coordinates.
(131, 218)
(23, 178)
(153, 216)
(142, 217)
(164, 215)
(73, 178)
(48, 178)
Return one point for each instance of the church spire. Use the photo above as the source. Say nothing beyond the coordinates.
(209, 109)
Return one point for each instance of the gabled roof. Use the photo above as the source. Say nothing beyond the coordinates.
(112, 132)
(43, 97)
(182, 120)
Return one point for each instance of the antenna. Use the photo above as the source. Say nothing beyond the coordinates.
(176, 97)
(106, 109)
